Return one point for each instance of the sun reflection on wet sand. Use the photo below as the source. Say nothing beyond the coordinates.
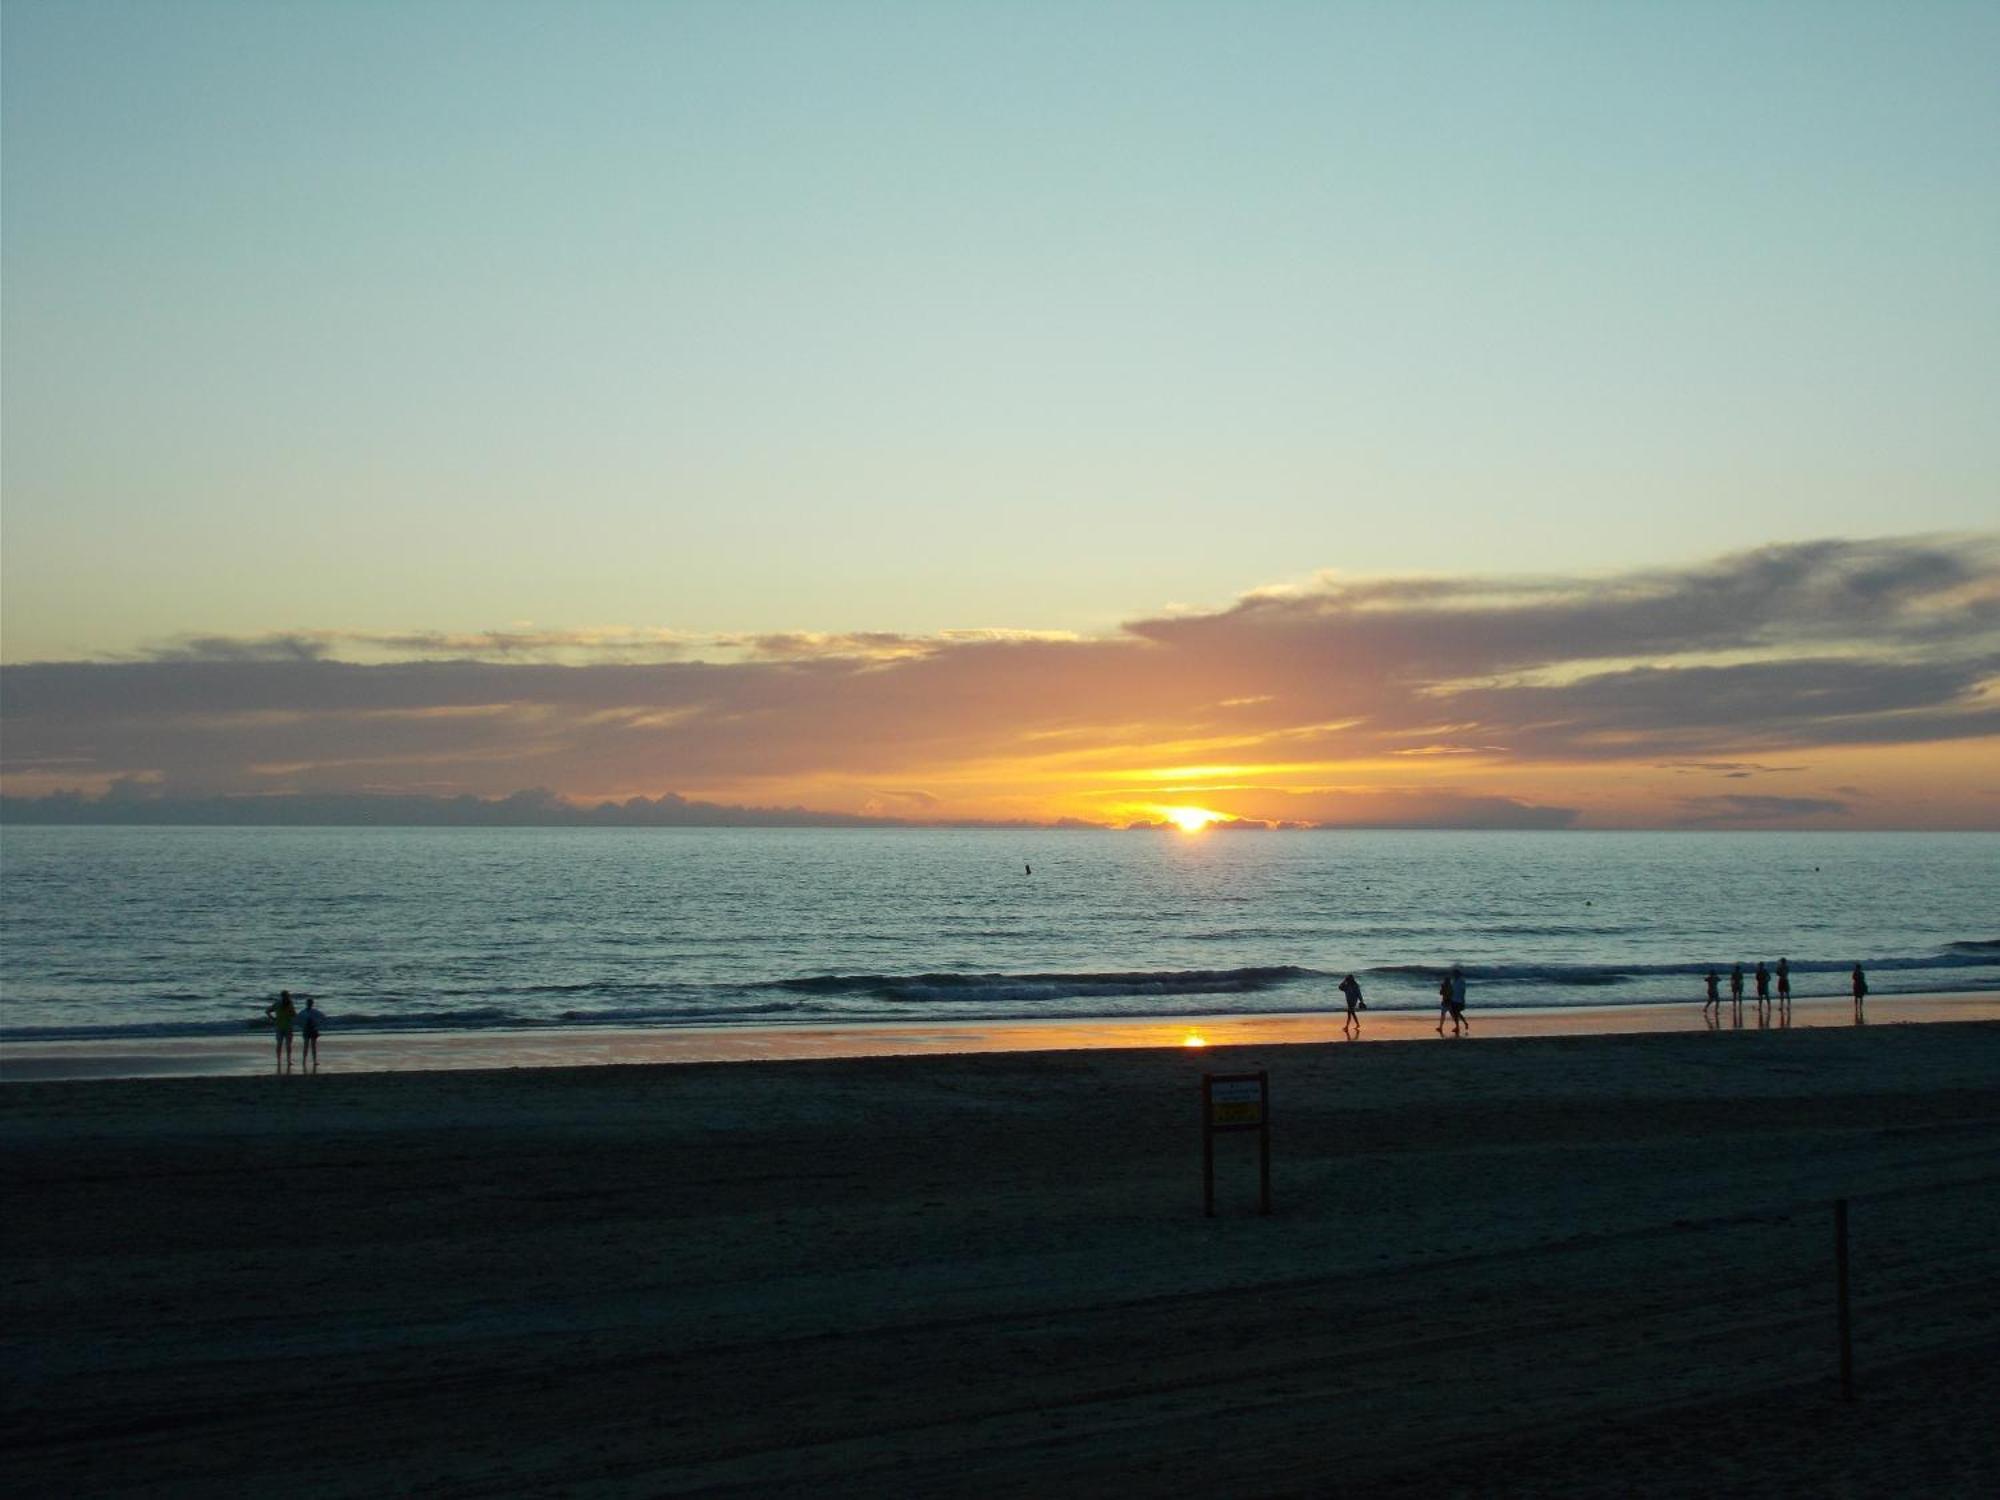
(427, 1051)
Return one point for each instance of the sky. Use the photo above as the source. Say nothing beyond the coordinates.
(1303, 412)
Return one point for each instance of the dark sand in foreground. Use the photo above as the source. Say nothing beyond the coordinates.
(1558, 1264)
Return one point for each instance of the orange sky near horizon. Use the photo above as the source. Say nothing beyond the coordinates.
(1836, 684)
(1938, 786)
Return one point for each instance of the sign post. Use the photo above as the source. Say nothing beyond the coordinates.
(1846, 1324)
(1232, 1102)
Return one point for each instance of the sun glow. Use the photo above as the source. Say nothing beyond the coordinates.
(1191, 819)
(1194, 1039)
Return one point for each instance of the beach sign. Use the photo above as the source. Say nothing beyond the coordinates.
(1232, 1102)
(1236, 1103)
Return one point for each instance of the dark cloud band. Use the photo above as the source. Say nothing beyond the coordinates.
(1825, 644)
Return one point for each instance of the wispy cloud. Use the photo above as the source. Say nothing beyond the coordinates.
(1472, 689)
(597, 643)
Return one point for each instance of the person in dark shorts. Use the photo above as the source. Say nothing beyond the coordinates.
(1457, 982)
(1444, 1003)
(1860, 981)
(1785, 988)
(309, 1019)
(1736, 991)
(282, 1013)
(1351, 989)
(1714, 1000)
(1763, 991)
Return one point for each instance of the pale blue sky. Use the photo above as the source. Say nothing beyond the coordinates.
(917, 316)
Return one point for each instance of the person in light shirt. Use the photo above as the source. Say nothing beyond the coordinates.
(309, 1020)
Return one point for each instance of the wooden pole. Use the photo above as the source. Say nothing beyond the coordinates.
(1207, 1152)
(1840, 1294)
(1264, 1143)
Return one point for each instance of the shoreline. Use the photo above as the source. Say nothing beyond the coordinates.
(448, 1051)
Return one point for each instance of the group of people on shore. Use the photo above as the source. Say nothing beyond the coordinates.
(1451, 997)
(284, 1016)
(1451, 1003)
(1711, 1008)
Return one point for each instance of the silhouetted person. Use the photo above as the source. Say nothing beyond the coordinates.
(1860, 981)
(1351, 988)
(1714, 1000)
(309, 1024)
(282, 1013)
(1444, 1002)
(1029, 868)
(1736, 990)
(1458, 1001)
(1763, 990)
(1785, 987)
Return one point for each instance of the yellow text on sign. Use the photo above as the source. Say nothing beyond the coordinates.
(1236, 1102)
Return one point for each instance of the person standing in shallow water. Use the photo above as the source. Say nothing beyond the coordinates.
(1860, 981)
(1351, 988)
(1736, 992)
(1763, 992)
(309, 1023)
(282, 1013)
(1785, 988)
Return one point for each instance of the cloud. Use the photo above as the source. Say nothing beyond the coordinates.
(1733, 769)
(1721, 669)
(1717, 811)
(535, 807)
(288, 646)
(598, 643)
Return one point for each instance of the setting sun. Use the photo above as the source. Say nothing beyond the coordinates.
(1192, 819)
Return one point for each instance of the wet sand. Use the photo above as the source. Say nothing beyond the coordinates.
(430, 1051)
(1562, 1264)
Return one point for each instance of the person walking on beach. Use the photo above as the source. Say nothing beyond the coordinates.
(1736, 992)
(1860, 981)
(309, 1023)
(1457, 982)
(1351, 988)
(282, 1013)
(1444, 1002)
(1714, 1000)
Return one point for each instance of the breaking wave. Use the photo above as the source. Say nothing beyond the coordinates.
(977, 989)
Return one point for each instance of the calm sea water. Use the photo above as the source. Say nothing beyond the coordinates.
(169, 931)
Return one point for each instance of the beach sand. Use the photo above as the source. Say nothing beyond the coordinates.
(1544, 1264)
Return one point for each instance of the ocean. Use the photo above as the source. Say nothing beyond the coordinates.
(143, 932)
